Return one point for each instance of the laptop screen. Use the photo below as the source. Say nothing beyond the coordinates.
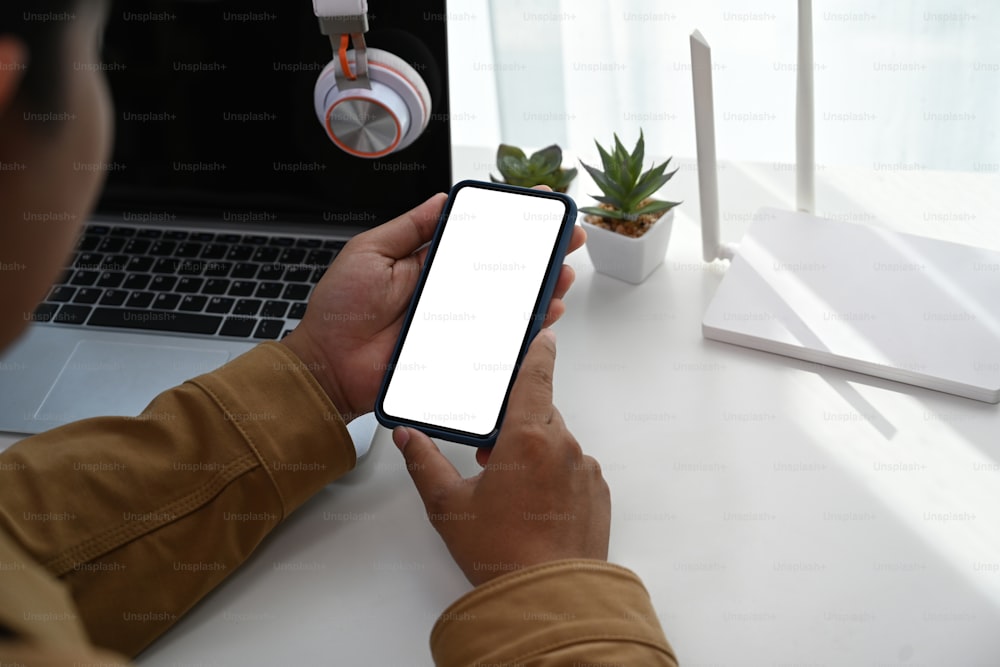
(215, 117)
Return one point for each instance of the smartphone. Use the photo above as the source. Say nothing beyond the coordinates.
(481, 298)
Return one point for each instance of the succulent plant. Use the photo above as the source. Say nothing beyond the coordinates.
(544, 167)
(628, 191)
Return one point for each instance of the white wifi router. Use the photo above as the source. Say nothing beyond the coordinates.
(892, 305)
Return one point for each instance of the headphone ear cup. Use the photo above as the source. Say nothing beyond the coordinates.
(374, 122)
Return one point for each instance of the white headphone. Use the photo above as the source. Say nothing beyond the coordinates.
(371, 103)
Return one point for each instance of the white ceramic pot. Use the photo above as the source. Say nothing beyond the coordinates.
(626, 258)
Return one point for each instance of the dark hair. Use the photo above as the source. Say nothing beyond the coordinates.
(41, 25)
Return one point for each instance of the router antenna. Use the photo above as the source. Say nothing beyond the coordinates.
(805, 139)
(704, 129)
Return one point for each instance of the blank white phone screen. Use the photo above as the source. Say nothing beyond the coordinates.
(474, 311)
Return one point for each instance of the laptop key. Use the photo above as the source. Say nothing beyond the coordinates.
(165, 265)
(298, 274)
(62, 294)
(274, 309)
(214, 251)
(162, 248)
(85, 278)
(140, 299)
(189, 267)
(242, 288)
(175, 235)
(227, 238)
(166, 301)
(296, 292)
(88, 260)
(244, 270)
(123, 231)
(152, 320)
(317, 275)
(73, 314)
(163, 283)
(116, 263)
(190, 285)
(45, 312)
(255, 239)
(266, 255)
(282, 241)
(297, 312)
(137, 246)
(219, 304)
(194, 304)
(87, 296)
(111, 279)
(247, 307)
(320, 257)
(189, 250)
(98, 230)
(269, 329)
(240, 253)
(216, 286)
(88, 243)
(308, 243)
(139, 264)
(268, 290)
(149, 233)
(241, 327)
(114, 297)
(333, 245)
(292, 256)
(136, 281)
(218, 269)
(112, 244)
(270, 272)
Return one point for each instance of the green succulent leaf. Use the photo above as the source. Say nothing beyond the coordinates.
(515, 169)
(565, 177)
(603, 212)
(625, 186)
(547, 160)
(605, 183)
(508, 151)
(656, 206)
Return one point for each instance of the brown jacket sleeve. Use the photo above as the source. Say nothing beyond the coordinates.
(141, 517)
(574, 612)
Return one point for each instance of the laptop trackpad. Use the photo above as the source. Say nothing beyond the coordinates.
(113, 378)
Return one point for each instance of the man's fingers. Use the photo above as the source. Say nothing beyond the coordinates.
(432, 473)
(578, 239)
(401, 236)
(567, 276)
(531, 395)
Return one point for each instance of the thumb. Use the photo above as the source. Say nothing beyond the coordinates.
(430, 470)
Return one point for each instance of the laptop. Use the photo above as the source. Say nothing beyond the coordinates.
(225, 201)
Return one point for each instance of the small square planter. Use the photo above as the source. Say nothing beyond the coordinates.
(626, 258)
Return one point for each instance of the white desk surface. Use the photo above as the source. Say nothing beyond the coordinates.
(780, 512)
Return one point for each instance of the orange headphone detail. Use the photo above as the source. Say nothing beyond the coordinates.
(371, 102)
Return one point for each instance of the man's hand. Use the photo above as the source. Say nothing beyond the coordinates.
(539, 498)
(357, 309)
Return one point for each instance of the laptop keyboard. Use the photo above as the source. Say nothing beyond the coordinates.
(174, 281)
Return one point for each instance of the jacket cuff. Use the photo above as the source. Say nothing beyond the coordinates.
(555, 609)
(285, 417)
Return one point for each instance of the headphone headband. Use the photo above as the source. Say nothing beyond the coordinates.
(325, 8)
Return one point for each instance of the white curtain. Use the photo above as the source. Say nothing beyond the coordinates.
(898, 85)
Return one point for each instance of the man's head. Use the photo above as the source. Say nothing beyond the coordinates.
(55, 133)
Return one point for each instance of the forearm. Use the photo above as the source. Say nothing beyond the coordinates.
(563, 613)
(141, 517)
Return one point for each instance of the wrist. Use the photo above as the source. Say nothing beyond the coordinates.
(314, 362)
